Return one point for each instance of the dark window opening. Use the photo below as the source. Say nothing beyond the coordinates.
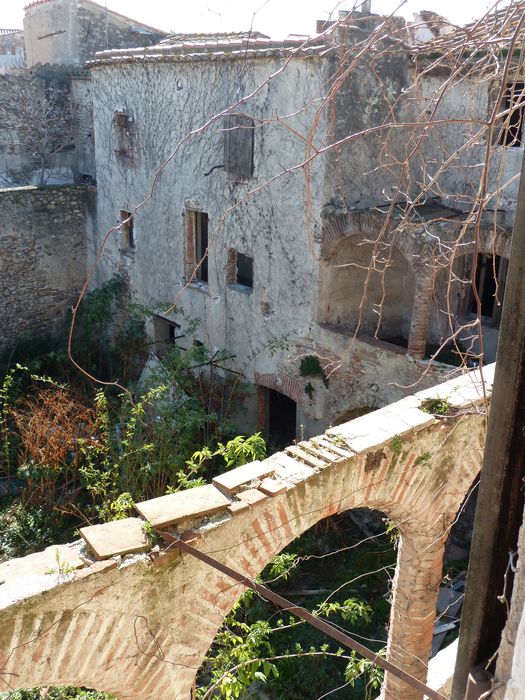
(244, 270)
(512, 128)
(491, 273)
(282, 419)
(127, 236)
(238, 145)
(166, 334)
(201, 245)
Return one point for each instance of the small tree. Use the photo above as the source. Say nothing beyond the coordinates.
(37, 118)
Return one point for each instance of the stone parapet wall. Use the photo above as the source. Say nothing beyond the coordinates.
(42, 257)
(137, 621)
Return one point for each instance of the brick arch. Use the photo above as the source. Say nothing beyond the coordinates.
(141, 627)
(370, 224)
(283, 383)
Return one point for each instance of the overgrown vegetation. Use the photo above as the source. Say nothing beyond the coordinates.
(72, 453)
(259, 647)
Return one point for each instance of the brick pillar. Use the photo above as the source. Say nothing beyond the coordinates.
(416, 585)
(417, 337)
(262, 410)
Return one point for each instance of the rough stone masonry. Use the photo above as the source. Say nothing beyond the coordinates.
(42, 257)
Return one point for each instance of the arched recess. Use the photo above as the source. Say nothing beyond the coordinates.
(353, 265)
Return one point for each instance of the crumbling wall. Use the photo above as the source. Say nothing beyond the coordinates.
(42, 257)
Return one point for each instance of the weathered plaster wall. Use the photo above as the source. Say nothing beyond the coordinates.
(42, 257)
(466, 105)
(278, 223)
(72, 31)
(139, 625)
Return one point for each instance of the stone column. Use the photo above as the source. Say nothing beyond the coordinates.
(416, 586)
(417, 338)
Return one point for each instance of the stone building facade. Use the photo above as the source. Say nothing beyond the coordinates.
(59, 36)
(240, 227)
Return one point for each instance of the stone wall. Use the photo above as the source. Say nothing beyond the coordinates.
(42, 257)
(72, 31)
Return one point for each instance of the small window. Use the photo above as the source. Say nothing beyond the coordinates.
(166, 334)
(123, 127)
(196, 246)
(511, 133)
(239, 269)
(238, 145)
(127, 239)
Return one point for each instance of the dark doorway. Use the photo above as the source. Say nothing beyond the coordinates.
(282, 417)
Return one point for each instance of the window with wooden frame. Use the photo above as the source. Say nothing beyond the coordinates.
(511, 133)
(196, 254)
(127, 235)
(238, 145)
(123, 130)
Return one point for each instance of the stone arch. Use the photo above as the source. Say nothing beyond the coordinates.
(367, 224)
(140, 627)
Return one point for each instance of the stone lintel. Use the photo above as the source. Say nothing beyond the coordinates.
(117, 537)
(233, 480)
(183, 505)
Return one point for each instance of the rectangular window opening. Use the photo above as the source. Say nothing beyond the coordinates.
(491, 274)
(127, 238)
(166, 334)
(511, 134)
(122, 123)
(244, 270)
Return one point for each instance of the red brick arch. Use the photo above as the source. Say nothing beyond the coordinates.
(140, 628)
(369, 224)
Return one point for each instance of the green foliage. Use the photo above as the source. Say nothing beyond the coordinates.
(309, 390)
(423, 458)
(152, 535)
(358, 667)
(311, 367)
(25, 529)
(396, 444)
(438, 407)
(282, 565)
(352, 610)
(236, 452)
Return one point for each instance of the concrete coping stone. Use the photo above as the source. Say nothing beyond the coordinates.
(117, 537)
(54, 559)
(183, 505)
(302, 455)
(233, 480)
(252, 496)
(273, 487)
(289, 469)
(471, 387)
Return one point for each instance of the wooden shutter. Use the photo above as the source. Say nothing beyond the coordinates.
(238, 145)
